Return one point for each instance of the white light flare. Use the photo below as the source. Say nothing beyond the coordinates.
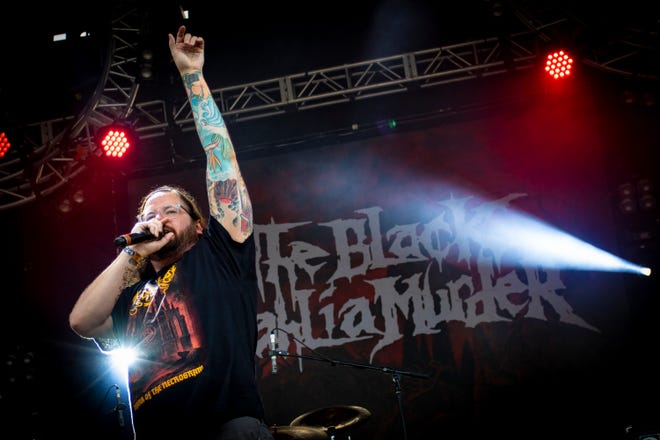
(537, 243)
(121, 358)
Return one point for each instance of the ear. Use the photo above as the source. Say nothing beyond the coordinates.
(198, 227)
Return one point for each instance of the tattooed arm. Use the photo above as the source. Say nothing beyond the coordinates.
(229, 201)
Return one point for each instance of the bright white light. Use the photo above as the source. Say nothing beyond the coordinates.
(59, 37)
(520, 239)
(121, 358)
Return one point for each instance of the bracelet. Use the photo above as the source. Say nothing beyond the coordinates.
(129, 251)
(135, 257)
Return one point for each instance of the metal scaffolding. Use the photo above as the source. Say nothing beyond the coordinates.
(59, 148)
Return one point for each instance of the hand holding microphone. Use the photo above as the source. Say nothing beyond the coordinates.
(134, 238)
(140, 236)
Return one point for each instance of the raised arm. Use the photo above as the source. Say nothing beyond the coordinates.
(229, 201)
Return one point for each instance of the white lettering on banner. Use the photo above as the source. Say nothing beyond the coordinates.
(401, 272)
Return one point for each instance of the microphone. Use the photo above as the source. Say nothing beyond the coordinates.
(273, 353)
(119, 408)
(134, 238)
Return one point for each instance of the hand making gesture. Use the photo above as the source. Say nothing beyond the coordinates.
(187, 51)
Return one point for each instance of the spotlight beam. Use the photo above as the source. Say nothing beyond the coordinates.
(522, 239)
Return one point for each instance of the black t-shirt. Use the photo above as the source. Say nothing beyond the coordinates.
(194, 328)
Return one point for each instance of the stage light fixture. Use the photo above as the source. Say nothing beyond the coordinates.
(185, 12)
(627, 203)
(146, 64)
(78, 196)
(638, 196)
(116, 139)
(4, 143)
(647, 203)
(645, 186)
(558, 64)
(647, 200)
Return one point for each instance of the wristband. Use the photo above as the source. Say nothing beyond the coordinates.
(135, 257)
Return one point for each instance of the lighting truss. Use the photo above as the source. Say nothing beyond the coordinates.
(59, 147)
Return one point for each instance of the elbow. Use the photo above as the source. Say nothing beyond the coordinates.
(240, 236)
(76, 324)
(88, 327)
(79, 325)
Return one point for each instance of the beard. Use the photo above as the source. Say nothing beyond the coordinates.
(179, 244)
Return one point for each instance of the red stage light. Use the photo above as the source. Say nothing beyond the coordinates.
(4, 144)
(559, 64)
(115, 140)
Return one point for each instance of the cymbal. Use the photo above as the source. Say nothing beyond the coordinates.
(335, 417)
(298, 432)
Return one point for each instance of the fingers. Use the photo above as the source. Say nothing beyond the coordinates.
(153, 226)
(187, 38)
(180, 33)
(192, 41)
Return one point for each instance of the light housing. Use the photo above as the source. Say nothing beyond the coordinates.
(116, 139)
(5, 145)
(559, 64)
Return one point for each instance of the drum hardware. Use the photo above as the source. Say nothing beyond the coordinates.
(333, 419)
(396, 375)
(298, 433)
